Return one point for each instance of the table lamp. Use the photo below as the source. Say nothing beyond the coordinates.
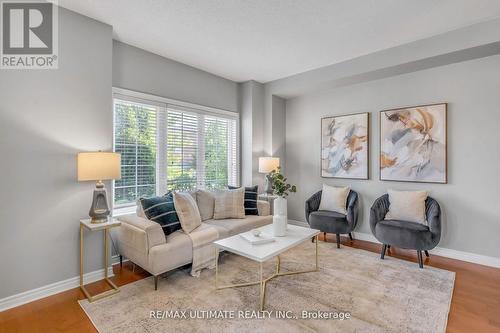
(99, 166)
(266, 165)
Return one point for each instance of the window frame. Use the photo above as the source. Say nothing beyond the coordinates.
(162, 104)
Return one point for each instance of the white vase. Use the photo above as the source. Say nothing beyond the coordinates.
(280, 218)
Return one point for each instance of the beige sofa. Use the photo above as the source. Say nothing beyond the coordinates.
(144, 243)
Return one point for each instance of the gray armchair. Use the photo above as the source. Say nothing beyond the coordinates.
(332, 222)
(405, 234)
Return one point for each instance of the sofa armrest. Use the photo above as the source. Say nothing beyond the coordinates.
(263, 207)
(140, 233)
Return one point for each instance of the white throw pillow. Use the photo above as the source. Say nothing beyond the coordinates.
(334, 199)
(187, 211)
(407, 206)
(230, 204)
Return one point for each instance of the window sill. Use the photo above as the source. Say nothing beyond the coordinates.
(124, 211)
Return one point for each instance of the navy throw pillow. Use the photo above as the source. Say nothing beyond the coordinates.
(162, 211)
(250, 199)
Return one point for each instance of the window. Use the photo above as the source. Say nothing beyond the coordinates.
(135, 140)
(168, 146)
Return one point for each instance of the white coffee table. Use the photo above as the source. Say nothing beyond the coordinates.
(236, 244)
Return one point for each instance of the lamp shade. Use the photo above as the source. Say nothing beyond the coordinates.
(268, 164)
(99, 166)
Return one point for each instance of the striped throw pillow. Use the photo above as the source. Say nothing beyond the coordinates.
(162, 211)
(251, 194)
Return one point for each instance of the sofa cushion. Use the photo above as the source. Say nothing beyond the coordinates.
(187, 210)
(230, 227)
(327, 221)
(404, 234)
(206, 203)
(229, 204)
(251, 194)
(162, 211)
(327, 215)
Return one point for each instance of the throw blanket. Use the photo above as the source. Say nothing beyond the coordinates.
(203, 248)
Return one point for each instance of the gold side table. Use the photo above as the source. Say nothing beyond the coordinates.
(86, 224)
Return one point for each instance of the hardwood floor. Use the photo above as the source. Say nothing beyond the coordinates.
(475, 306)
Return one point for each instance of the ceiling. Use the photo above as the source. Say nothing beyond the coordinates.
(265, 40)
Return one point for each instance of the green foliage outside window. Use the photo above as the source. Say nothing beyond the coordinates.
(135, 140)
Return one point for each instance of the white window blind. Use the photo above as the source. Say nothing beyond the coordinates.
(135, 140)
(171, 147)
(201, 150)
(220, 152)
(182, 150)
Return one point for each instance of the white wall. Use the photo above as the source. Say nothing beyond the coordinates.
(142, 71)
(46, 118)
(470, 201)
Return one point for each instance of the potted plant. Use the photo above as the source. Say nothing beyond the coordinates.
(281, 189)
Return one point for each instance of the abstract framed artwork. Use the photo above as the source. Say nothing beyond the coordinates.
(345, 146)
(413, 144)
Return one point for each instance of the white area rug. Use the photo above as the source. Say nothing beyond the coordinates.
(388, 295)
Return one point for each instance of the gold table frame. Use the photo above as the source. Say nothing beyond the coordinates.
(115, 289)
(263, 281)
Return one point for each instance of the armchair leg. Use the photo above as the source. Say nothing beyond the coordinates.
(338, 241)
(121, 260)
(420, 261)
(426, 253)
(350, 236)
(156, 282)
(384, 248)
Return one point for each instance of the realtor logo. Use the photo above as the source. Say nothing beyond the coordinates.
(29, 35)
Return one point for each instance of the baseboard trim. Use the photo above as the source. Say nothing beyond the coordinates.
(51, 289)
(440, 251)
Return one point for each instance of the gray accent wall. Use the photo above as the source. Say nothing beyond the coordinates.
(46, 118)
(142, 71)
(476, 41)
(277, 135)
(252, 132)
(471, 213)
